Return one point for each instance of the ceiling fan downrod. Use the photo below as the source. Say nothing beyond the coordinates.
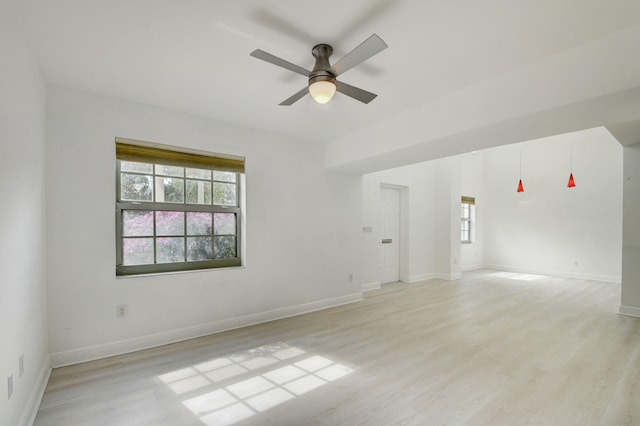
(320, 71)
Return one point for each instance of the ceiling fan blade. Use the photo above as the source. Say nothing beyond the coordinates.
(297, 96)
(268, 57)
(361, 53)
(355, 93)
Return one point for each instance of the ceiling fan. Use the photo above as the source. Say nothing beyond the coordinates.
(323, 83)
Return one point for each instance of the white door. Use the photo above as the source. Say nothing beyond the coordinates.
(389, 235)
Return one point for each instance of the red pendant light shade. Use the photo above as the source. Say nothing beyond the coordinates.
(572, 182)
(520, 187)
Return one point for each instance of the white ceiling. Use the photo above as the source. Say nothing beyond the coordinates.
(193, 55)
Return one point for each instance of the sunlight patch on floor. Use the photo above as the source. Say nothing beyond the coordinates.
(296, 372)
(517, 276)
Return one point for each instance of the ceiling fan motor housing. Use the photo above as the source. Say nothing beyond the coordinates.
(321, 71)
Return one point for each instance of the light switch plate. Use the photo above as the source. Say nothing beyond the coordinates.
(121, 311)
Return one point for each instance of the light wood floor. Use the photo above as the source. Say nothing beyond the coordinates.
(490, 349)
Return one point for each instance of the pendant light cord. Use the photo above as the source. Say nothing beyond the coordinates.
(572, 182)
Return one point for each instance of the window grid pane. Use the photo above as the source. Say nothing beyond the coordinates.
(198, 191)
(137, 251)
(465, 225)
(224, 194)
(199, 223)
(136, 187)
(130, 166)
(203, 174)
(169, 170)
(170, 249)
(137, 223)
(224, 247)
(199, 248)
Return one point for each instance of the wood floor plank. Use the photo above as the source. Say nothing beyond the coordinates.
(491, 348)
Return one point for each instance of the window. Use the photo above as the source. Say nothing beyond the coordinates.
(467, 218)
(175, 211)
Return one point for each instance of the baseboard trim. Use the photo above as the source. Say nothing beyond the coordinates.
(561, 274)
(91, 353)
(431, 276)
(35, 398)
(371, 286)
(471, 268)
(417, 278)
(452, 277)
(447, 277)
(630, 311)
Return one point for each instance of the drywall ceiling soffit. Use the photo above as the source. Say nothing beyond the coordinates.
(194, 56)
(570, 118)
(591, 85)
(627, 133)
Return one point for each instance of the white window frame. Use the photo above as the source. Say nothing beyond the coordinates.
(160, 206)
(467, 219)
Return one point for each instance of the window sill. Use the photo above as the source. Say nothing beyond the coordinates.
(191, 271)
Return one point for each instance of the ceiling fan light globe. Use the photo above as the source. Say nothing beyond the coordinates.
(322, 91)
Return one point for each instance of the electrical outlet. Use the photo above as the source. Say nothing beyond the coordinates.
(10, 386)
(21, 365)
(121, 311)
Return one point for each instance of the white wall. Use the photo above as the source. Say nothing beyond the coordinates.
(430, 220)
(630, 304)
(447, 218)
(301, 230)
(416, 231)
(549, 228)
(22, 257)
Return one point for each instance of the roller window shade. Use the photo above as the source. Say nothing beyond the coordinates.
(145, 154)
(468, 200)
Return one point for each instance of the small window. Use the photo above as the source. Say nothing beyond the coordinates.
(467, 216)
(176, 211)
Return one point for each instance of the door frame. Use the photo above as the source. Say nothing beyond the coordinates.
(404, 235)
